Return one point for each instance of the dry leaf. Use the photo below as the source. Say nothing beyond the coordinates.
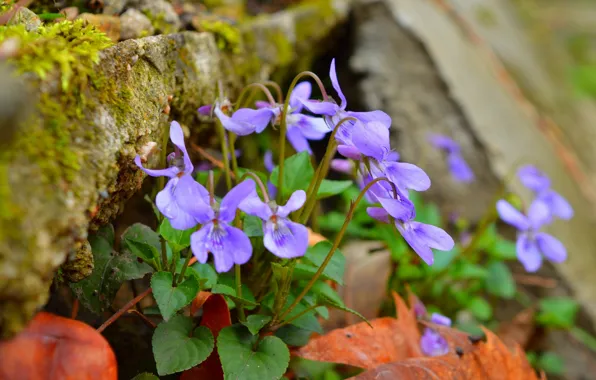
(57, 348)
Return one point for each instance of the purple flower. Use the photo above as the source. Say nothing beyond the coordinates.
(245, 120)
(397, 205)
(342, 165)
(531, 243)
(459, 168)
(229, 245)
(284, 238)
(535, 180)
(182, 194)
(422, 237)
(431, 342)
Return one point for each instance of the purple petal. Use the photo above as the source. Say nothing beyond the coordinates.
(392, 156)
(320, 108)
(165, 200)
(440, 319)
(268, 161)
(177, 137)
(419, 246)
(295, 202)
(459, 168)
(433, 236)
(240, 128)
(260, 118)
(512, 216)
(313, 128)
(557, 204)
(237, 245)
(206, 110)
(349, 151)
(433, 344)
(335, 83)
(444, 142)
(366, 117)
(230, 202)
(378, 213)
(302, 91)
(193, 199)
(538, 214)
(272, 189)
(228, 244)
(372, 139)
(407, 176)
(401, 209)
(169, 172)
(551, 247)
(342, 166)
(532, 178)
(298, 141)
(285, 239)
(198, 242)
(253, 205)
(528, 253)
(262, 104)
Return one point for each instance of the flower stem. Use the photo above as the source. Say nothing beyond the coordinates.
(189, 256)
(243, 94)
(224, 151)
(259, 183)
(292, 319)
(336, 243)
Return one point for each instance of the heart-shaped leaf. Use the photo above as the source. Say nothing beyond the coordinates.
(241, 359)
(170, 299)
(335, 269)
(175, 349)
(255, 322)
(178, 239)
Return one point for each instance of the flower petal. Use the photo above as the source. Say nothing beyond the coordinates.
(268, 161)
(512, 216)
(240, 128)
(533, 178)
(527, 253)
(371, 139)
(378, 213)
(165, 200)
(341, 165)
(459, 168)
(253, 205)
(193, 199)
(298, 141)
(205, 110)
(260, 118)
(230, 202)
(199, 244)
(236, 245)
(440, 319)
(407, 176)
(285, 239)
(169, 172)
(433, 344)
(349, 151)
(557, 204)
(366, 117)
(444, 142)
(302, 91)
(177, 137)
(313, 128)
(551, 247)
(538, 214)
(319, 107)
(433, 236)
(402, 209)
(335, 83)
(419, 246)
(295, 202)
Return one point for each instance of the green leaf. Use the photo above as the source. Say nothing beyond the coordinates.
(488, 238)
(244, 356)
(178, 239)
(205, 272)
(443, 259)
(253, 226)
(298, 173)
(429, 214)
(330, 188)
(231, 293)
(293, 336)
(583, 78)
(499, 281)
(551, 363)
(480, 308)
(464, 270)
(256, 322)
(324, 293)
(335, 268)
(557, 312)
(409, 272)
(171, 299)
(110, 270)
(145, 376)
(144, 243)
(503, 250)
(175, 349)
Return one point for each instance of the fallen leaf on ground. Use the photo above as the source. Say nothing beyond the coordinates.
(56, 348)
(519, 330)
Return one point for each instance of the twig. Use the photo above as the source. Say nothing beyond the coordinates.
(533, 280)
(123, 309)
(143, 317)
(209, 157)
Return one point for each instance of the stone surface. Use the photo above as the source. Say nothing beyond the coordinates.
(135, 24)
(26, 17)
(110, 25)
(45, 212)
(160, 12)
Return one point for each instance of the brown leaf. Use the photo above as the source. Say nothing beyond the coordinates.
(359, 345)
(519, 330)
(53, 347)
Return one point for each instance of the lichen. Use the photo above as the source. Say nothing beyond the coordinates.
(159, 22)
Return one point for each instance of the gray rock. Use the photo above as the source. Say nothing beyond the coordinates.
(114, 7)
(135, 24)
(25, 17)
(161, 13)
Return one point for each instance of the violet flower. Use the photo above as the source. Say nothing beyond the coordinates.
(535, 180)
(532, 244)
(342, 165)
(229, 245)
(459, 168)
(431, 342)
(182, 194)
(425, 237)
(282, 237)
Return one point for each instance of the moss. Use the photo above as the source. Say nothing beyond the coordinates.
(158, 21)
(227, 36)
(284, 48)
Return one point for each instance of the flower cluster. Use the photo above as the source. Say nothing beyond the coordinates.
(431, 342)
(459, 168)
(533, 244)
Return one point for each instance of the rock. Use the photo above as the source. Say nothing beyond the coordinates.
(161, 13)
(110, 25)
(70, 13)
(113, 7)
(80, 265)
(134, 25)
(25, 17)
(71, 167)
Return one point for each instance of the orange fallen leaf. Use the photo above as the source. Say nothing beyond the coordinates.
(314, 238)
(57, 348)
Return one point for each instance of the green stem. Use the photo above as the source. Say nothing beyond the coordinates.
(232, 141)
(164, 253)
(338, 238)
(224, 151)
(250, 87)
(283, 127)
(183, 271)
(259, 183)
(290, 320)
(238, 275)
